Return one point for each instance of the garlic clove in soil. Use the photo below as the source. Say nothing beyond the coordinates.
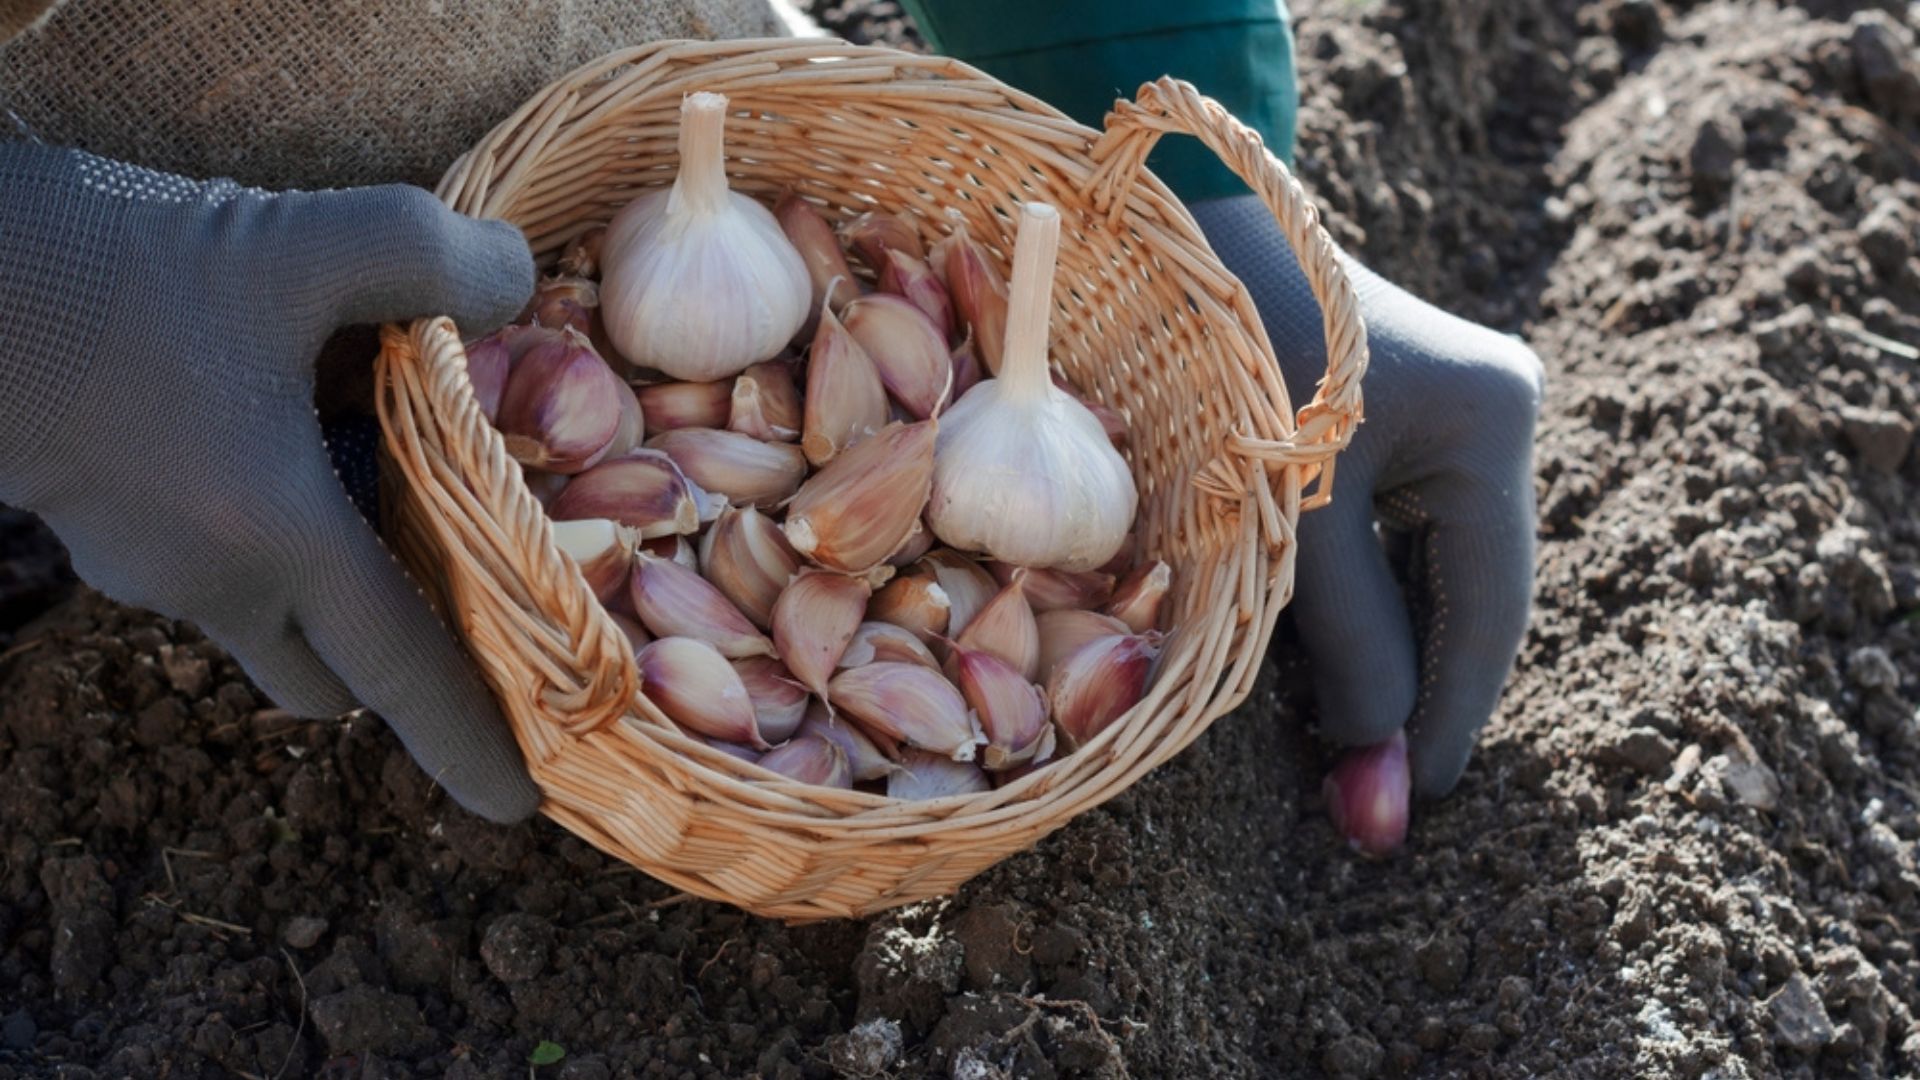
(910, 704)
(857, 510)
(1023, 471)
(1368, 794)
(700, 281)
(931, 776)
(642, 489)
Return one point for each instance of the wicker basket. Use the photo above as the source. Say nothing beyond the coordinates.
(1146, 320)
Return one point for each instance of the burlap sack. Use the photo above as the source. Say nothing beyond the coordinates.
(313, 93)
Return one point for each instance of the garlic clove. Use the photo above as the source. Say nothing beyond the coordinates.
(978, 292)
(812, 237)
(966, 367)
(603, 550)
(765, 404)
(779, 703)
(1005, 628)
(884, 642)
(675, 547)
(630, 628)
(845, 400)
(873, 234)
(863, 757)
(1024, 472)
(908, 351)
(642, 489)
(1052, 590)
(814, 620)
(488, 361)
(915, 603)
(695, 686)
(633, 423)
(733, 749)
(673, 405)
(747, 557)
(582, 256)
(561, 301)
(1368, 795)
(969, 587)
(740, 467)
(911, 280)
(810, 760)
(930, 776)
(699, 281)
(1011, 709)
(673, 601)
(1064, 631)
(1098, 683)
(914, 547)
(1136, 601)
(857, 510)
(909, 703)
(559, 411)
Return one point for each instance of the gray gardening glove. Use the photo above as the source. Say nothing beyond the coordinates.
(156, 410)
(1444, 462)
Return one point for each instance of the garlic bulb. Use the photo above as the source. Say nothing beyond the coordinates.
(699, 281)
(1022, 471)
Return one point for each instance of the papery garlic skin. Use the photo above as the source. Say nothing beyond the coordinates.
(700, 281)
(1022, 471)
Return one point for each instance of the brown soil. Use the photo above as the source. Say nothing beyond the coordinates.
(1687, 846)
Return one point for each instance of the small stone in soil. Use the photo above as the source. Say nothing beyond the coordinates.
(303, 931)
(515, 948)
(868, 1050)
(1800, 1022)
(1880, 436)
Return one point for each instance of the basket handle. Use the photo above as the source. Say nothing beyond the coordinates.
(1325, 425)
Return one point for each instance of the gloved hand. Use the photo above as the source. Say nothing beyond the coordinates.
(156, 410)
(1444, 462)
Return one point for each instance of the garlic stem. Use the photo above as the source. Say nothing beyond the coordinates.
(1023, 366)
(701, 186)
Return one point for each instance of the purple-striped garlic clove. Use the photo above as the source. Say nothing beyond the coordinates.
(563, 301)
(1005, 627)
(978, 292)
(873, 234)
(810, 759)
(602, 549)
(908, 351)
(766, 405)
(1096, 685)
(1368, 795)
(671, 406)
(560, 411)
(910, 704)
(930, 776)
(858, 510)
(812, 237)
(747, 557)
(967, 372)
(779, 702)
(883, 642)
(1050, 590)
(1063, 632)
(845, 401)
(632, 429)
(913, 281)
(813, 622)
(1137, 599)
(914, 547)
(673, 601)
(488, 361)
(676, 547)
(915, 603)
(968, 585)
(1012, 711)
(641, 489)
(745, 470)
(865, 759)
(695, 686)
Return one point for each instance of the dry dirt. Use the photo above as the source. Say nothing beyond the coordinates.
(1687, 846)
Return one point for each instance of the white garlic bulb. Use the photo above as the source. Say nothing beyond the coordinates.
(1022, 471)
(700, 281)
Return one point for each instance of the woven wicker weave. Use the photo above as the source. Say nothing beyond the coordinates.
(1146, 320)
